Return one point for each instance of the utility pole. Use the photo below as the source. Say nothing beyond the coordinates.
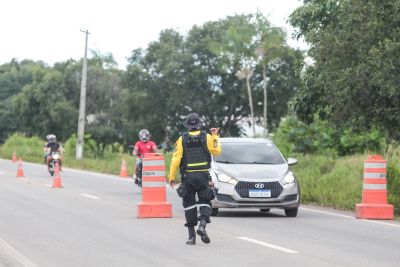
(82, 104)
(260, 54)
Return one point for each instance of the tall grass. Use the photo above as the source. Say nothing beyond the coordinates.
(337, 182)
(330, 182)
(393, 176)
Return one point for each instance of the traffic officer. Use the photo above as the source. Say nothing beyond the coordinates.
(192, 156)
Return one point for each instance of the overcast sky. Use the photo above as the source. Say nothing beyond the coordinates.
(49, 30)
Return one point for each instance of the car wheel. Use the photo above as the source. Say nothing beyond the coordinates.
(291, 212)
(264, 210)
(214, 212)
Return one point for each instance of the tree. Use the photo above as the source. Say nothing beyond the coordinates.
(177, 75)
(354, 80)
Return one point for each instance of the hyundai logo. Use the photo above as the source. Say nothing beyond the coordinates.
(259, 185)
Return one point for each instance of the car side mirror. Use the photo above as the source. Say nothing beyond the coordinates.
(291, 161)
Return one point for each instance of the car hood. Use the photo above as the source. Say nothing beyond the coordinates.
(251, 171)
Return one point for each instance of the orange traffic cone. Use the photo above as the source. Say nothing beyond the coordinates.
(20, 171)
(57, 178)
(154, 197)
(14, 157)
(124, 172)
(374, 196)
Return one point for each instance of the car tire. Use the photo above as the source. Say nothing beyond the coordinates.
(291, 212)
(214, 212)
(264, 210)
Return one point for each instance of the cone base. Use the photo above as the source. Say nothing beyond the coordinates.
(374, 211)
(57, 183)
(154, 210)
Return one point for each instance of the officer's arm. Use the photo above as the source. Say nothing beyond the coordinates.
(176, 159)
(213, 145)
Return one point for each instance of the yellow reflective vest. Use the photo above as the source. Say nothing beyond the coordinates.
(212, 144)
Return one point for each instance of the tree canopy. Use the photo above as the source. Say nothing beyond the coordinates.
(354, 80)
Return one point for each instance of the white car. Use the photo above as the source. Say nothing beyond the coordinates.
(252, 173)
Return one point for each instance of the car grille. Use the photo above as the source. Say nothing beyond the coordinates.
(242, 188)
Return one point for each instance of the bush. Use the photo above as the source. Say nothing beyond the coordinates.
(393, 176)
(319, 137)
(28, 148)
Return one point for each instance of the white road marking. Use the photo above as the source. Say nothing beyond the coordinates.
(267, 245)
(9, 250)
(329, 213)
(350, 217)
(90, 196)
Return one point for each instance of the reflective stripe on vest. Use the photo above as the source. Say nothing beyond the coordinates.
(197, 164)
(374, 186)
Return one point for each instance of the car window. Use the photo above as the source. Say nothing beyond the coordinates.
(249, 153)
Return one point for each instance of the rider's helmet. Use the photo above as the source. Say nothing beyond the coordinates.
(144, 135)
(51, 137)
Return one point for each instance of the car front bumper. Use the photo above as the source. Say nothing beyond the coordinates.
(228, 197)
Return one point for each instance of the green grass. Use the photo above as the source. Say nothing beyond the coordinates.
(337, 182)
(330, 182)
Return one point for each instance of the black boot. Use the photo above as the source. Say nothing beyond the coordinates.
(192, 236)
(201, 231)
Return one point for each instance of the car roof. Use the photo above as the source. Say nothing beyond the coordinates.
(244, 140)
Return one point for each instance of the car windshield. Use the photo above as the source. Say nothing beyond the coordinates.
(249, 153)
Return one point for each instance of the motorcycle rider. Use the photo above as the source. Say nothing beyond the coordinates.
(143, 146)
(53, 146)
(192, 154)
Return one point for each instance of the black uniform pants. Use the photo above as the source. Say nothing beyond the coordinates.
(196, 183)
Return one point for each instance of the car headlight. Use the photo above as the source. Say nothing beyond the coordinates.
(222, 177)
(288, 178)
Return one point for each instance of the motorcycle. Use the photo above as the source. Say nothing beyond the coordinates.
(54, 159)
(139, 165)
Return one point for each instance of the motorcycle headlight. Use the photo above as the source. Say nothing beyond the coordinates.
(56, 156)
(288, 178)
(222, 177)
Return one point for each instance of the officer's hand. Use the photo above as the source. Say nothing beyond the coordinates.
(172, 183)
(214, 130)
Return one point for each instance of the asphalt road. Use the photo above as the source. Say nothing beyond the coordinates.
(92, 221)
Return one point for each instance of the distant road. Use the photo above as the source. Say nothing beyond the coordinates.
(92, 222)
